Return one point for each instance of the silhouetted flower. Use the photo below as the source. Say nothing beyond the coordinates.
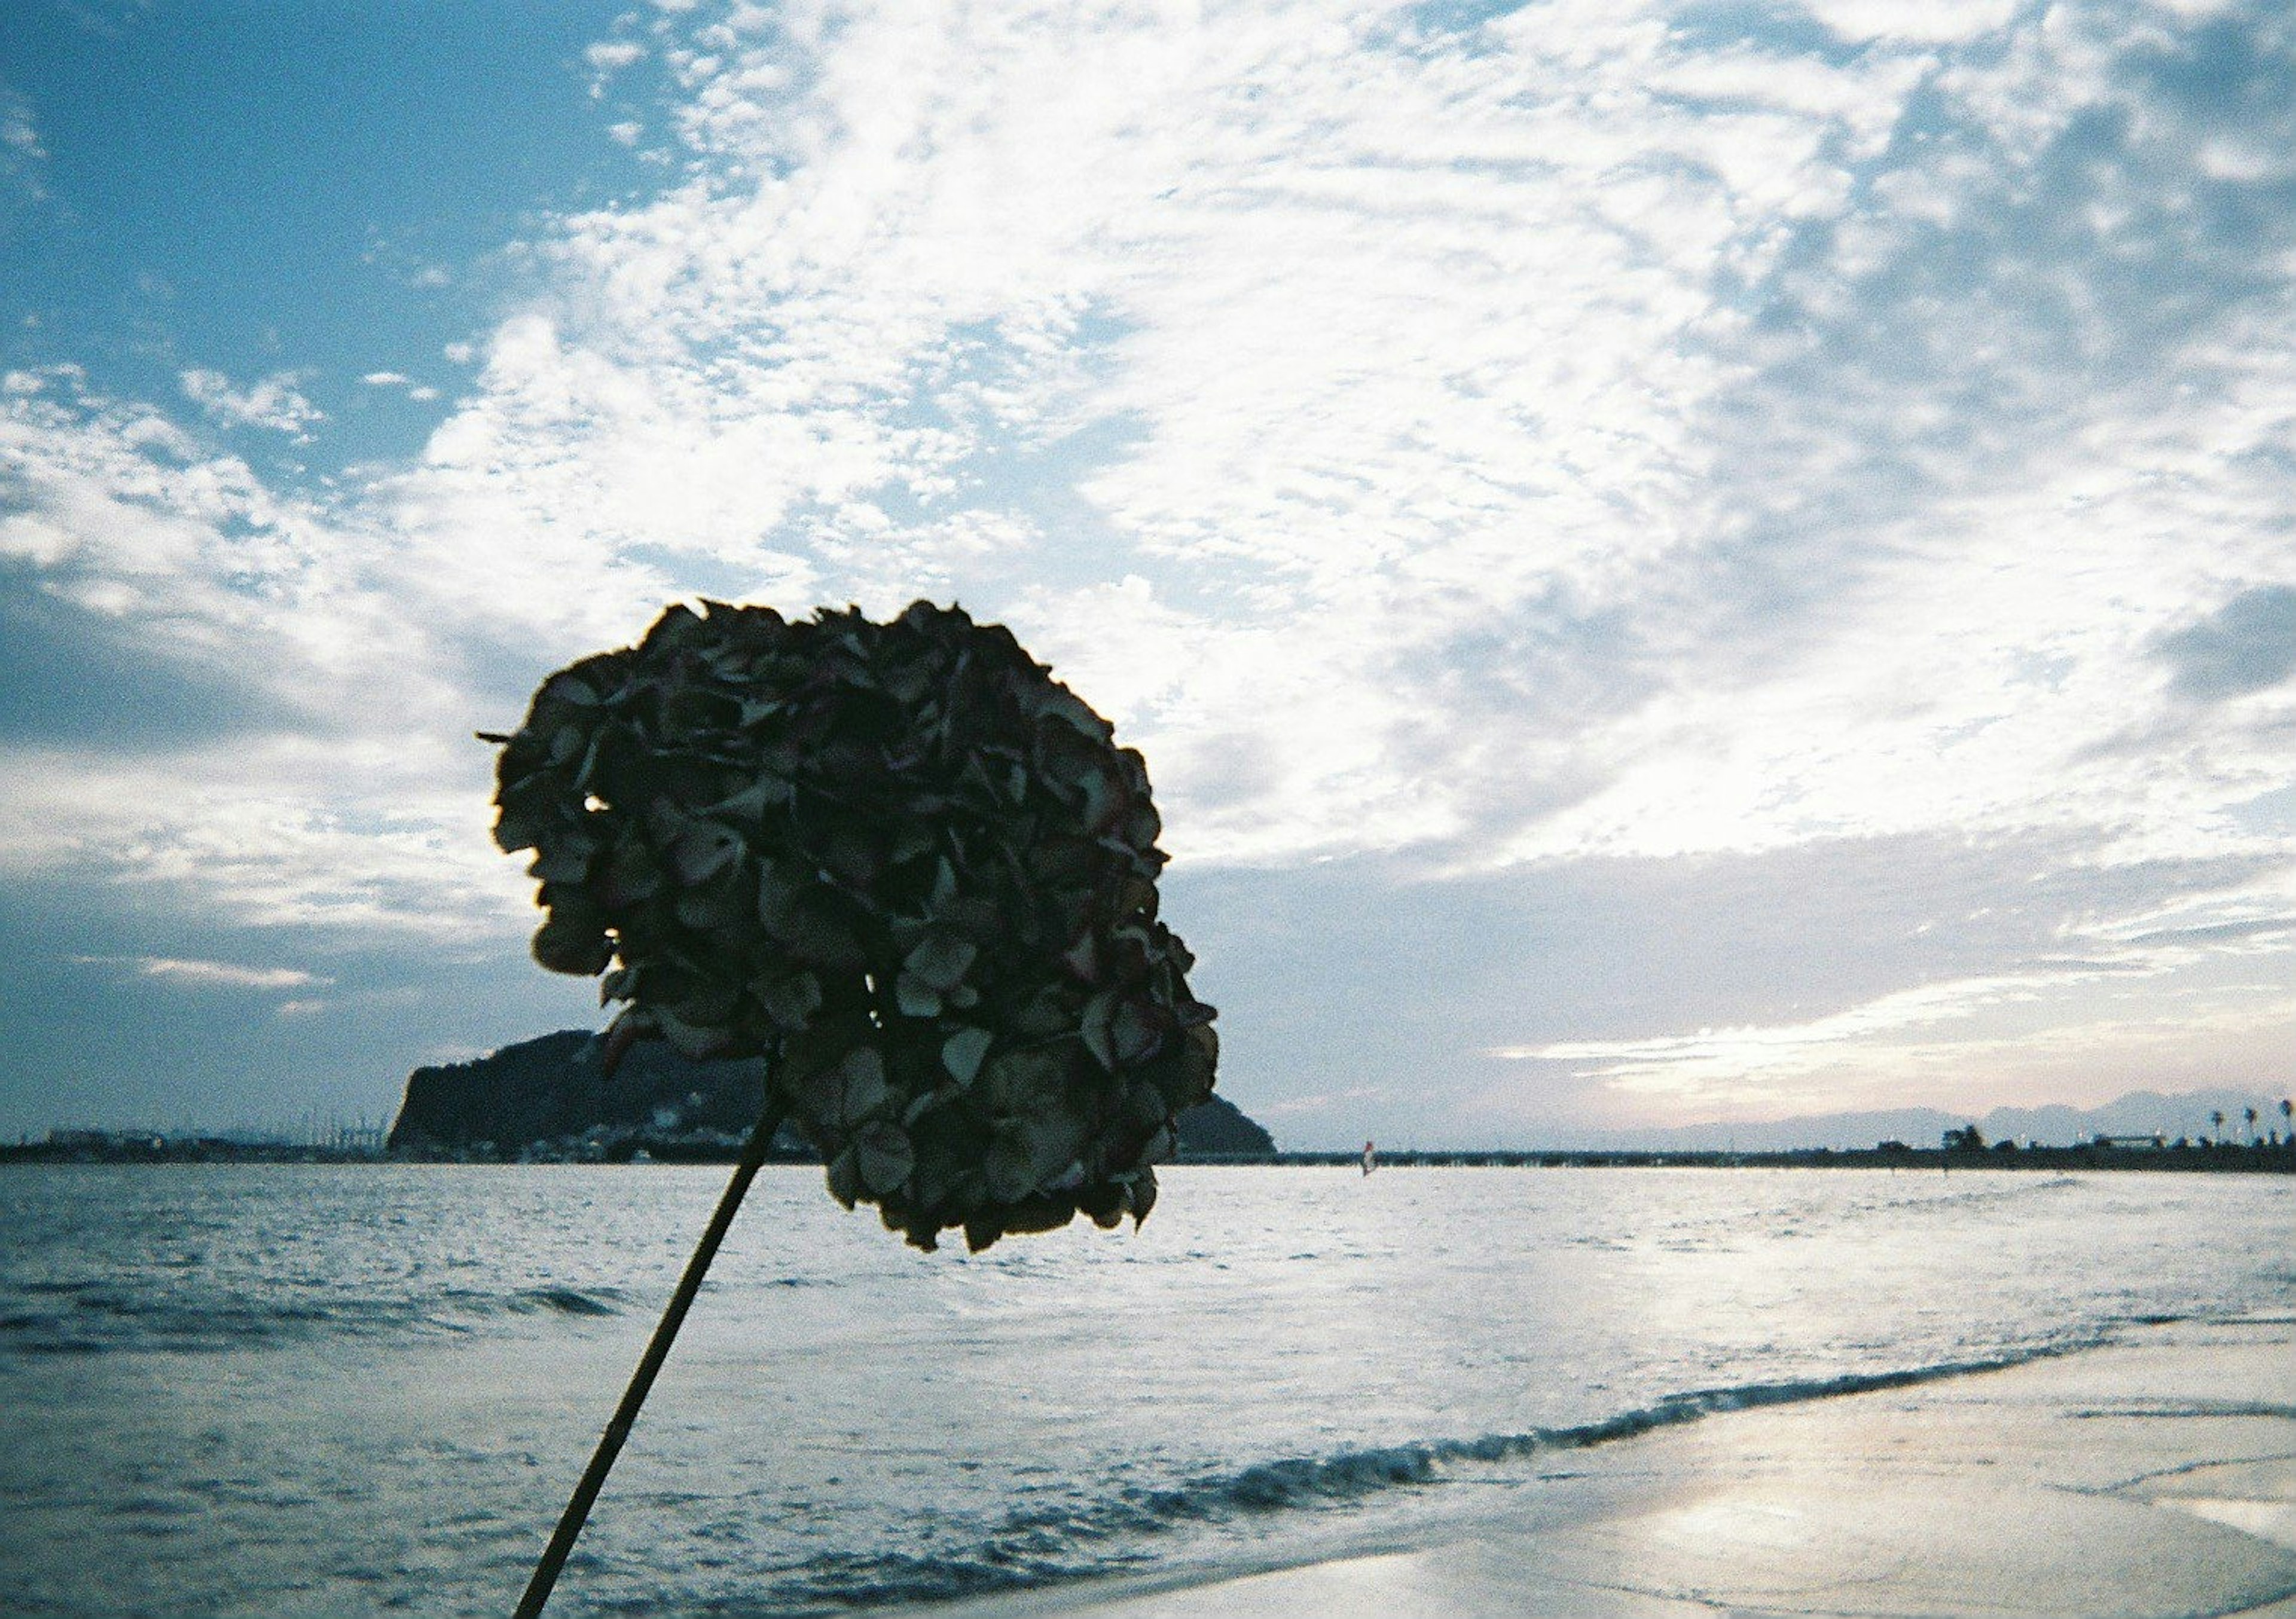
(900, 862)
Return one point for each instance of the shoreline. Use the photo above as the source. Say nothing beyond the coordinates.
(2226, 1158)
(2152, 1475)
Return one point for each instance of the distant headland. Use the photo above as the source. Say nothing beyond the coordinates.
(550, 1101)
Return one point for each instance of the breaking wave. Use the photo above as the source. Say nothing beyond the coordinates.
(1048, 1546)
(1274, 1486)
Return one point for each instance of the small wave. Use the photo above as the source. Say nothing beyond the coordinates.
(1053, 1544)
(567, 1301)
(2185, 1410)
(95, 1318)
(48, 1343)
(550, 1298)
(1269, 1486)
(860, 1579)
(1272, 1485)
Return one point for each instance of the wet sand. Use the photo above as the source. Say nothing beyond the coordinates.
(2153, 1476)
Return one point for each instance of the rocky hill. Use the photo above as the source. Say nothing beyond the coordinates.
(549, 1098)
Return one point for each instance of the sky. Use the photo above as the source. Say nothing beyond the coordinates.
(1670, 562)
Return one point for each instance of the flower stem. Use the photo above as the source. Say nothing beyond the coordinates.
(657, 1351)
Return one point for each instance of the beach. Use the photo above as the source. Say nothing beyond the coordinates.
(288, 1390)
(2152, 1477)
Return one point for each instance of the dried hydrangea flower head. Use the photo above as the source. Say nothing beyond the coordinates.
(901, 863)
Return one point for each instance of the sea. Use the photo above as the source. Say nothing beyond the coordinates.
(368, 1389)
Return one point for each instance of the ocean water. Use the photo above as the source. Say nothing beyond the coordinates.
(367, 1390)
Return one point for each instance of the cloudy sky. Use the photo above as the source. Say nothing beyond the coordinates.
(1669, 561)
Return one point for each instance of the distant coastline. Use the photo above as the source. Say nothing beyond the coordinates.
(550, 1101)
(2226, 1157)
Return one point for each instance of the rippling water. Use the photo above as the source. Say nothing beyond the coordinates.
(296, 1390)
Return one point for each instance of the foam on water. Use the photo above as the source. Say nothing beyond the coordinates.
(356, 1391)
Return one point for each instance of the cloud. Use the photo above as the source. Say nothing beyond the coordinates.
(1833, 974)
(217, 975)
(1925, 21)
(610, 56)
(362, 840)
(23, 159)
(273, 403)
(1950, 1046)
(1512, 453)
(1743, 1063)
(2261, 928)
(420, 392)
(1299, 1107)
(1573, 432)
(16, 133)
(1583, 440)
(79, 675)
(202, 657)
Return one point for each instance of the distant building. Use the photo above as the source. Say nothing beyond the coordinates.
(2132, 1143)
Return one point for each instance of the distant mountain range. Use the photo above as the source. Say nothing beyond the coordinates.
(2138, 1113)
